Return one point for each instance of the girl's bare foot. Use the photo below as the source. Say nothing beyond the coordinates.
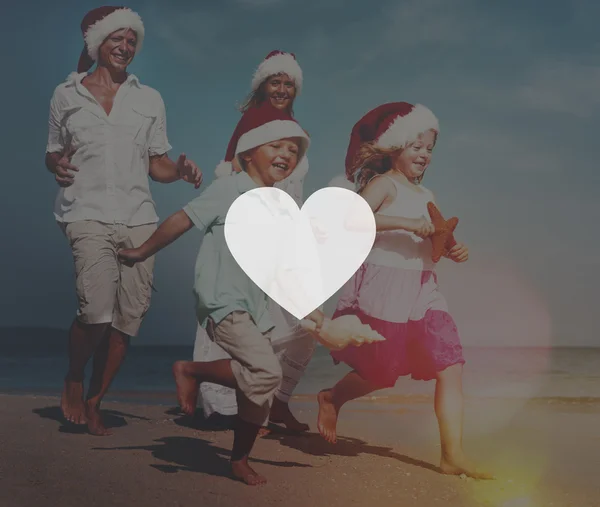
(459, 465)
(187, 387)
(94, 421)
(71, 402)
(241, 470)
(263, 432)
(328, 415)
(281, 414)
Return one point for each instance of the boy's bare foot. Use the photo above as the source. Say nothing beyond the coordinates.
(71, 402)
(459, 465)
(328, 415)
(242, 471)
(94, 421)
(187, 387)
(281, 414)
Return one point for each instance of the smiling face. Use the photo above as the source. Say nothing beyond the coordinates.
(118, 49)
(272, 162)
(414, 159)
(280, 89)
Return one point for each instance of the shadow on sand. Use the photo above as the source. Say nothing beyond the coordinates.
(110, 418)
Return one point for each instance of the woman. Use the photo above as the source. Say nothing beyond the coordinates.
(278, 80)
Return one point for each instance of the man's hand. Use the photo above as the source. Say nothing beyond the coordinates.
(131, 256)
(458, 253)
(188, 171)
(63, 170)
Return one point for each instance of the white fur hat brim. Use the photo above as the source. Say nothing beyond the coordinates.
(406, 129)
(272, 131)
(278, 64)
(116, 20)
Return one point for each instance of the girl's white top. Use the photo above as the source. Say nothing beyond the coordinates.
(403, 249)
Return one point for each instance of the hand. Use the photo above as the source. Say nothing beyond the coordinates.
(131, 256)
(318, 317)
(62, 171)
(236, 165)
(188, 171)
(423, 228)
(458, 253)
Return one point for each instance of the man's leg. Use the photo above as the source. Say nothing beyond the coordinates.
(96, 278)
(107, 360)
(83, 341)
(133, 292)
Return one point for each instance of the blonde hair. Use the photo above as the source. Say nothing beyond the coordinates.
(371, 160)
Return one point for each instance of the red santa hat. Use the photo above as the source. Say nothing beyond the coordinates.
(278, 62)
(265, 124)
(252, 118)
(99, 23)
(392, 125)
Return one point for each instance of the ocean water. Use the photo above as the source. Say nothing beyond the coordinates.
(524, 373)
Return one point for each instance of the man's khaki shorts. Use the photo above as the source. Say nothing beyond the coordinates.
(108, 291)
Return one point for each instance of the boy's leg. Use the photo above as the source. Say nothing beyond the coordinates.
(255, 373)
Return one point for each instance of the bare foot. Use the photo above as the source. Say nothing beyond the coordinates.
(281, 414)
(459, 465)
(328, 415)
(263, 432)
(94, 420)
(242, 471)
(187, 387)
(71, 402)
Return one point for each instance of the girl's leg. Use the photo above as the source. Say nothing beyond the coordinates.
(352, 386)
(449, 409)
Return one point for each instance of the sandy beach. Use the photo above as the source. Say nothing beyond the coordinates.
(545, 454)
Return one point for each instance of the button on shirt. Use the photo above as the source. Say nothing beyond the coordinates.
(220, 285)
(111, 151)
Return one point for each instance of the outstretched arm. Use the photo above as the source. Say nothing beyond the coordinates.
(173, 227)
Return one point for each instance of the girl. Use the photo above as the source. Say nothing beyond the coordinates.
(395, 291)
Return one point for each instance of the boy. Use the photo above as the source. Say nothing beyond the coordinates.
(231, 307)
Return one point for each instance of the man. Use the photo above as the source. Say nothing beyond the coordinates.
(277, 80)
(107, 133)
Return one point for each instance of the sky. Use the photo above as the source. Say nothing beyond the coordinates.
(515, 88)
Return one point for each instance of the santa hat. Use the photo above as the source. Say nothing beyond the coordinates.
(278, 62)
(99, 23)
(392, 125)
(252, 118)
(265, 124)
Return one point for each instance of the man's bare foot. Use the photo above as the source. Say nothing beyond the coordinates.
(94, 420)
(71, 402)
(459, 465)
(241, 470)
(187, 387)
(328, 415)
(281, 414)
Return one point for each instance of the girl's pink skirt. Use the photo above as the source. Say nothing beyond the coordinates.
(406, 307)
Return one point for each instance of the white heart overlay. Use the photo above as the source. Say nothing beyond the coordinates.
(300, 257)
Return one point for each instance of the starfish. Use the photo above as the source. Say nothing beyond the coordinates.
(443, 237)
